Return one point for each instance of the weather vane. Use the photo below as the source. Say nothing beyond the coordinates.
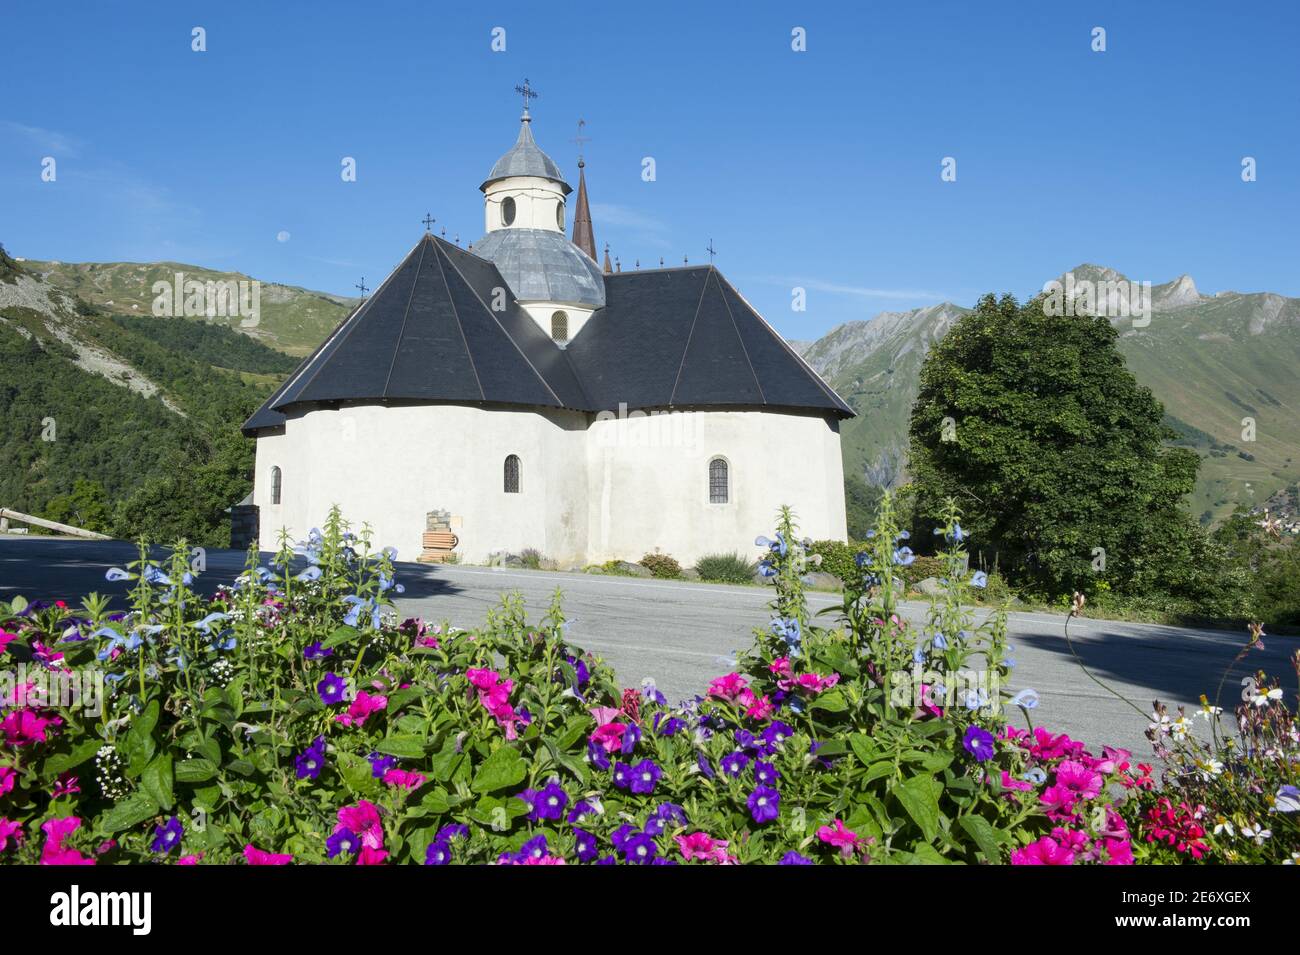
(711, 250)
(428, 221)
(580, 139)
(362, 286)
(527, 92)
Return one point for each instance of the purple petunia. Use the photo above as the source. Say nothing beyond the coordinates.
(734, 764)
(978, 742)
(438, 853)
(631, 736)
(312, 760)
(547, 802)
(587, 848)
(776, 733)
(332, 689)
(667, 814)
(314, 651)
(670, 726)
(794, 858)
(596, 755)
(453, 830)
(381, 763)
(703, 762)
(765, 773)
(581, 808)
(640, 849)
(644, 776)
(343, 842)
(167, 836)
(764, 804)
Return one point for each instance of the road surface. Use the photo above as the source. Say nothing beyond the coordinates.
(679, 634)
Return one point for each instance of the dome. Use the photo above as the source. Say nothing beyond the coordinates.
(543, 266)
(526, 159)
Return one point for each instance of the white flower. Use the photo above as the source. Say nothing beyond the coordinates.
(1262, 698)
(1253, 831)
(1179, 727)
(1224, 826)
(1209, 768)
(1209, 711)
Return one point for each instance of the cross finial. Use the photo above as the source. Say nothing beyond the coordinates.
(580, 139)
(711, 250)
(428, 221)
(362, 286)
(527, 92)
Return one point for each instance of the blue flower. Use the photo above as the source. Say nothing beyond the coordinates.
(978, 742)
(332, 689)
(734, 764)
(1028, 698)
(766, 773)
(314, 651)
(979, 579)
(640, 849)
(764, 804)
(167, 836)
(904, 557)
(345, 841)
(794, 858)
(587, 846)
(380, 764)
(631, 736)
(309, 764)
(311, 573)
(438, 853)
(117, 573)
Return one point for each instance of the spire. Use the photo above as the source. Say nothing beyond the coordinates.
(608, 268)
(583, 236)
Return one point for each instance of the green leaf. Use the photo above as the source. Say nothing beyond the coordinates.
(920, 800)
(195, 770)
(131, 811)
(832, 701)
(979, 829)
(157, 780)
(357, 773)
(863, 748)
(343, 634)
(504, 767)
(403, 747)
(62, 762)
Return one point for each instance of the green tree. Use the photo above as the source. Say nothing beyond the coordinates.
(861, 501)
(1054, 452)
(85, 506)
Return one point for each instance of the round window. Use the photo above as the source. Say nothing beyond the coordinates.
(559, 216)
(508, 210)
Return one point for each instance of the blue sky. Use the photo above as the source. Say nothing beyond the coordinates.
(818, 169)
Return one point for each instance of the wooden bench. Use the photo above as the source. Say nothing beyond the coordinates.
(438, 547)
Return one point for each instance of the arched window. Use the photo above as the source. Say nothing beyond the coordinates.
(275, 485)
(512, 474)
(508, 210)
(560, 327)
(559, 216)
(719, 481)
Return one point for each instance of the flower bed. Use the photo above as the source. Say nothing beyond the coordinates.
(294, 718)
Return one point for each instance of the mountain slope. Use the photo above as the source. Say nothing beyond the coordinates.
(293, 320)
(1211, 360)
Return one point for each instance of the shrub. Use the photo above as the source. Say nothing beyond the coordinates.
(837, 557)
(661, 565)
(532, 558)
(725, 569)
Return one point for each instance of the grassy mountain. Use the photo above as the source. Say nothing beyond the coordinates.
(1211, 360)
(135, 419)
(293, 320)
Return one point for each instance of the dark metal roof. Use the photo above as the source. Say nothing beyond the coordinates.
(584, 237)
(526, 158)
(541, 265)
(666, 338)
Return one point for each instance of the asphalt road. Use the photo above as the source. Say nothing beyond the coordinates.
(680, 634)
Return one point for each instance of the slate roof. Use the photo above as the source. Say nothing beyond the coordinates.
(666, 338)
(541, 265)
(526, 158)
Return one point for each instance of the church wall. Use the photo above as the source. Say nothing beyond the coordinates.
(649, 481)
(390, 466)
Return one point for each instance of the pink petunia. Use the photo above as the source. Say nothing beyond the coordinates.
(6, 638)
(363, 821)
(372, 856)
(26, 726)
(361, 708)
(609, 737)
(1078, 778)
(189, 860)
(781, 667)
(700, 845)
(756, 707)
(1046, 851)
(1021, 785)
(7, 779)
(256, 856)
(54, 852)
(840, 837)
(404, 779)
(604, 714)
(728, 687)
(811, 683)
(9, 830)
